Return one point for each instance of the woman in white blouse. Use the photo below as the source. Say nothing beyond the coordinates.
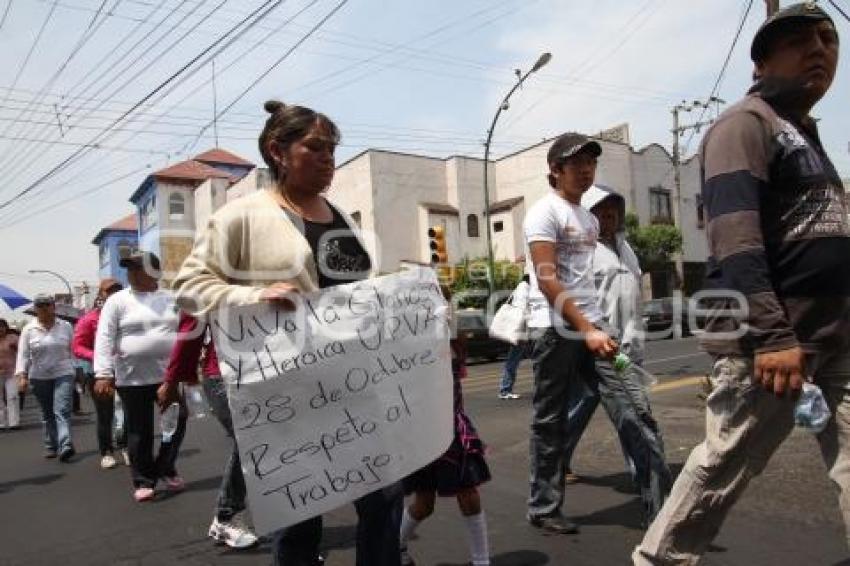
(45, 362)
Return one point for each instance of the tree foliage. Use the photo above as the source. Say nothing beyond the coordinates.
(471, 275)
(654, 244)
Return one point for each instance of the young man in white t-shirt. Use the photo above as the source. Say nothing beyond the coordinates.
(574, 343)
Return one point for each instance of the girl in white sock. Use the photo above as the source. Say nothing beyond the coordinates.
(457, 473)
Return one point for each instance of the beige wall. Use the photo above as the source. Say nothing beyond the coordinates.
(352, 191)
(400, 184)
(390, 191)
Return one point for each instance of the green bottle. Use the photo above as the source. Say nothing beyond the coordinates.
(622, 363)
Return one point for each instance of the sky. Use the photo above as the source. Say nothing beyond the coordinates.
(418, 77)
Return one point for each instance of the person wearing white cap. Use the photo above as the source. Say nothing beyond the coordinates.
(45, 362)
(135, 334)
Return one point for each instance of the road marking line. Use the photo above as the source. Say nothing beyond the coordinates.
(670, 359)
(470, 386)
(678, 383)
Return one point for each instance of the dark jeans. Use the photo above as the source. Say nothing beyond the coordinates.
(563, 369)
(231, 494)
(516, 354)
(139, 406)
(105, 410)
(379, 519)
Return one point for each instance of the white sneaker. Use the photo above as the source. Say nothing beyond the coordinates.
(232, 534)
(508, 396)
(125, 456)
(107, 462)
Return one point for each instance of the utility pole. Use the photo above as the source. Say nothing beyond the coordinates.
(772, 7)
(678, 131)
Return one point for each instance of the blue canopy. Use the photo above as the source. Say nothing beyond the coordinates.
(12, 297)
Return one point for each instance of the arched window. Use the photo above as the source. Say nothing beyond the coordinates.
(472, 226)
(176, 206)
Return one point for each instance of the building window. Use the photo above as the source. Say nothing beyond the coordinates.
(176, 206)
(700, 213)
(356, 217)
(472, 226)
(498, 226)
(660, 211)
(104, 254)
(147, 213)
(126, 247)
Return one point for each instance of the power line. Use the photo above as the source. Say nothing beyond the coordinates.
(720, 75)
(593, 62)
(89, 191)
(219, 51)
(840, 11)
(87, 34)
(34, 44)
(5, 13)
(44, 133)
(274, 65)
(148, 96)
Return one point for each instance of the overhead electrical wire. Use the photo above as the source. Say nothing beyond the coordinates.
(716, 87)
(25, 165)
(12, 157)
(88, 33)
(5, 13)
(62, 164)
(34, 45)
(273, 66)
(840, 11)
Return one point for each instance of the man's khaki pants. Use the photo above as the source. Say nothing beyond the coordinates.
(744, 427)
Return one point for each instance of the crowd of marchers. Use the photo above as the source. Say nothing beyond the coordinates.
(778, 236)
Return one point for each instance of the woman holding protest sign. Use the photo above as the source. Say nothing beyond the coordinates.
(272, 244)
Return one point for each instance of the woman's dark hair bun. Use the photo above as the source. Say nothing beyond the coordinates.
(273, 106)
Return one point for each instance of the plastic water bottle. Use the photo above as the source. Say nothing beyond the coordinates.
(811, 413)
(118, 415)
(622, 363)
(195, 401)
(168, 421)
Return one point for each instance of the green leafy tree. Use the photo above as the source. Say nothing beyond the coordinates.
(471, 274)
(654, 244)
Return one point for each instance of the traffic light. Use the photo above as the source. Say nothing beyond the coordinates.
(437, 243)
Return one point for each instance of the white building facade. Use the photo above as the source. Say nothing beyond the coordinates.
(397, 197)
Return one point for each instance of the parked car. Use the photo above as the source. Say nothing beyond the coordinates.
(658, 317)
(471, 325)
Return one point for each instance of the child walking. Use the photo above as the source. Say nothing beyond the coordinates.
(457, 473)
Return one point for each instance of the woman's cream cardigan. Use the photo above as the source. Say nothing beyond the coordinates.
(248, 245)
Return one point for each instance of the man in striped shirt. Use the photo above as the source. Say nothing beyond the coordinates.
(779, 240)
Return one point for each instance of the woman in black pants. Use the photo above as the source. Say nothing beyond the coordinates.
(83, 348)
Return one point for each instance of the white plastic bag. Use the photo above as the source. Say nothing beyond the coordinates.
(510, 323)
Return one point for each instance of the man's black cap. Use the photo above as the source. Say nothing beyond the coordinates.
(803, 12)
(570, 144)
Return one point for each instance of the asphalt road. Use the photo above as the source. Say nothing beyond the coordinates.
(77, 514)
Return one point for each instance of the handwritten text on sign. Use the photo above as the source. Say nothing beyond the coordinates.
(346, 395)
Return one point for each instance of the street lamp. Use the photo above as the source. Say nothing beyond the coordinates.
(491, 267)
(65, 281)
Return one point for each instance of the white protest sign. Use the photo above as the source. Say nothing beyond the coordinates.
(347, 394)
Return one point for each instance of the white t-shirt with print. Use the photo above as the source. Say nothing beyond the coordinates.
(574, 230)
